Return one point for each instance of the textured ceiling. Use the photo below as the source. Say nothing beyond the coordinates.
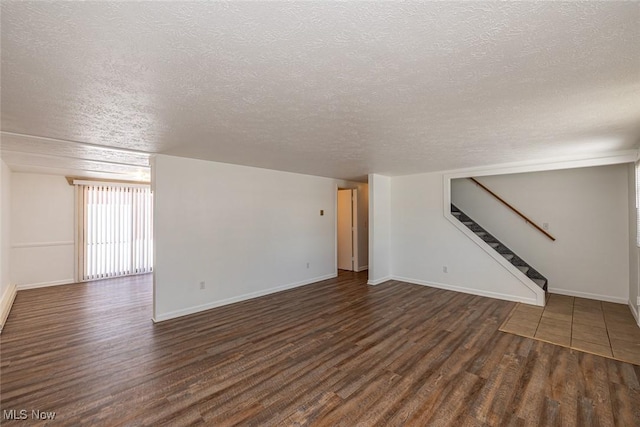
(323, 88)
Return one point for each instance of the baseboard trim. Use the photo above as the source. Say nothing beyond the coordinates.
(588, 295)
(203, 307)
(471, 291)
(378, 281)
(44, 284)
(6, 303)
(362, 268)
(635, 313)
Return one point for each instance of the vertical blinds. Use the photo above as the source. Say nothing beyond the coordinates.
(117, 231)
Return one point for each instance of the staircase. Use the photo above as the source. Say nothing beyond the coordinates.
(497, 246)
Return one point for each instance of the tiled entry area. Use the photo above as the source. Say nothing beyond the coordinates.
(597, 327)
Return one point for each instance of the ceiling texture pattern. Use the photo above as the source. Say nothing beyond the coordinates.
(322, 88)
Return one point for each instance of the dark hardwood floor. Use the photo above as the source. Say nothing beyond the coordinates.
(337, 352)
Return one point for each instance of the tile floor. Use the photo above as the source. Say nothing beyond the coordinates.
(597, 327)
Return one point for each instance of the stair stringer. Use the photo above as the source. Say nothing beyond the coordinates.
(537, 290)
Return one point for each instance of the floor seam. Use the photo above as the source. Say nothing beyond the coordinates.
(573, 312)
(606, 328)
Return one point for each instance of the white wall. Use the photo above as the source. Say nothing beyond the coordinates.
(244, 231)
(423, 241)
(634, 277)
(587, 212)
(7, 290)
(5, 218)
(379, 229)
(42, 234)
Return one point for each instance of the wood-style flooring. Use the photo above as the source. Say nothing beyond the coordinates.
(337, 352)
(597, 327)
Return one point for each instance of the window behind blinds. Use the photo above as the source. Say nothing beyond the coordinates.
(117, 229)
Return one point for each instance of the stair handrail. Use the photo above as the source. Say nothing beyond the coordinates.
(504, 202)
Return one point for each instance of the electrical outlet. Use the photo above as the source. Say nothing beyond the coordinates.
(445, 269)
(307, 265)
(201, 285)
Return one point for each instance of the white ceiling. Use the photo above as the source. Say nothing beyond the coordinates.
(322, 88)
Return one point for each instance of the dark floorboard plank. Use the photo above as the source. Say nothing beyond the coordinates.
(337, 352)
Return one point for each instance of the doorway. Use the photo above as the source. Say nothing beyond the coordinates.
(347, 229)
